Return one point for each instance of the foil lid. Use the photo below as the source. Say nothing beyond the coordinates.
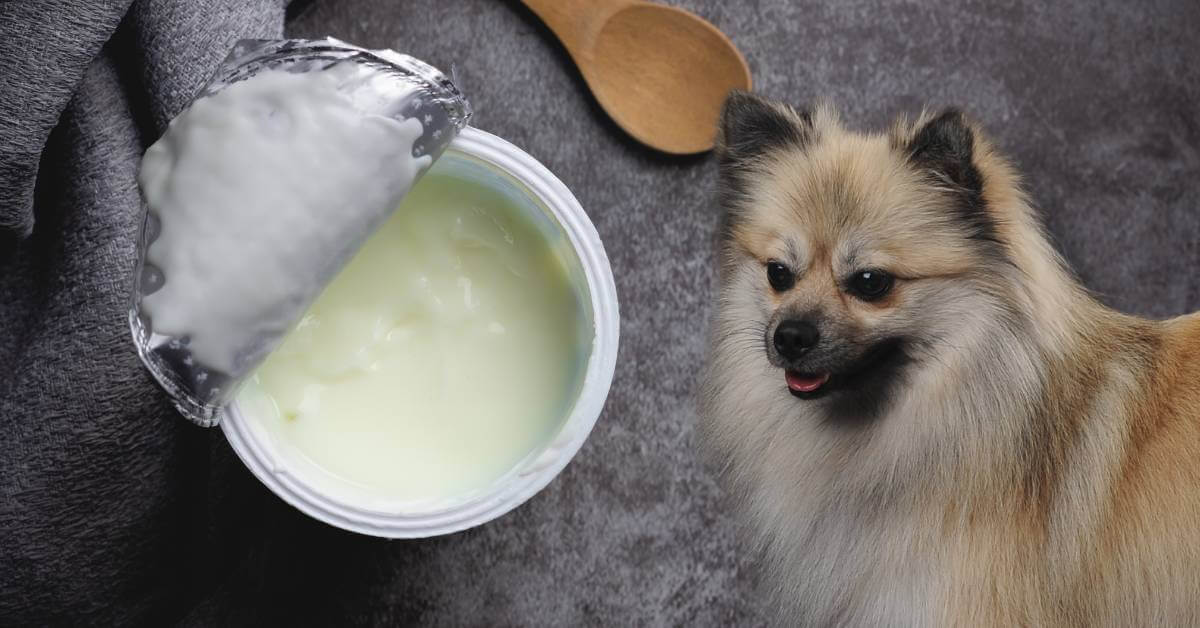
(261, 190)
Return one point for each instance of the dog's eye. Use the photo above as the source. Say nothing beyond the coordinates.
(869, 285)
(780, 277)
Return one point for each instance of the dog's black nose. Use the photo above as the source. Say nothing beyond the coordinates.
(793, 338)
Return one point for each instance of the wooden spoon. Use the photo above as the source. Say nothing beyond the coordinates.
(660, 72)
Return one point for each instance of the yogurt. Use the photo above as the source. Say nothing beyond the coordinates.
(261, 191)
(450, 348)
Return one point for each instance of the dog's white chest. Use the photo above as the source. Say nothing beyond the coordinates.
(850, 570)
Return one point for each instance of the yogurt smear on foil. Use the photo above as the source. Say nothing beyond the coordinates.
(262, 191)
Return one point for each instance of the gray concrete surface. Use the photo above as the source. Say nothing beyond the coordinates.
(1096, 102)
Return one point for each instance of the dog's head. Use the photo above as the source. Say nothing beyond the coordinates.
(849, 256)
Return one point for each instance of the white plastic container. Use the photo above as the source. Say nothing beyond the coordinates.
(522, 174)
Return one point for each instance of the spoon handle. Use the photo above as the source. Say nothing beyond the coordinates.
(576, 22)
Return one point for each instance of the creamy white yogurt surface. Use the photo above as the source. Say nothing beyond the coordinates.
(262, 190)
(450, 348)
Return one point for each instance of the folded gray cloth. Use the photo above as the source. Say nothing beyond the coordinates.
(103, 510)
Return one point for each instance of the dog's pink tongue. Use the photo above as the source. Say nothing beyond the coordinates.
(801, 383)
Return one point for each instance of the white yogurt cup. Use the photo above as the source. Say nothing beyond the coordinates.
(518, 173)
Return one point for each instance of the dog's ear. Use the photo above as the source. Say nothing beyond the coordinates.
(751, 125)
(944, 147)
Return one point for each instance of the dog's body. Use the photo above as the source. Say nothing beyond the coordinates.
(977, 440)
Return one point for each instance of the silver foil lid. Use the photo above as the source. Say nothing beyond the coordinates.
(385, 84)
(438, 102)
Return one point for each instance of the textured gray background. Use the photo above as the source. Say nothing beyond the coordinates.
(1096, 102)
(114, 511)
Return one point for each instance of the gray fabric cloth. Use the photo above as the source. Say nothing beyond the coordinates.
(113, 510)
(106, 514)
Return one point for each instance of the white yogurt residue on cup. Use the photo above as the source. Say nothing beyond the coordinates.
(262, 191)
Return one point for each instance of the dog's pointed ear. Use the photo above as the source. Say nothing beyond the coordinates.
(945, 146)
(751, 125)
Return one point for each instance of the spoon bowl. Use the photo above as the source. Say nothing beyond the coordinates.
(661, 73)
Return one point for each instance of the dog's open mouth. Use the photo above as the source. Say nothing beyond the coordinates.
(805, 384)
(883, 359)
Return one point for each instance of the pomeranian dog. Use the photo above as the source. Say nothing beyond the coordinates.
(924, 417)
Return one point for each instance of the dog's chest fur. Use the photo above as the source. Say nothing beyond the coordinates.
(839, 552)
(862, 570)
(902, 565)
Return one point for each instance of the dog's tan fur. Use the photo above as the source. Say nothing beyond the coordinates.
(1039, 463)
